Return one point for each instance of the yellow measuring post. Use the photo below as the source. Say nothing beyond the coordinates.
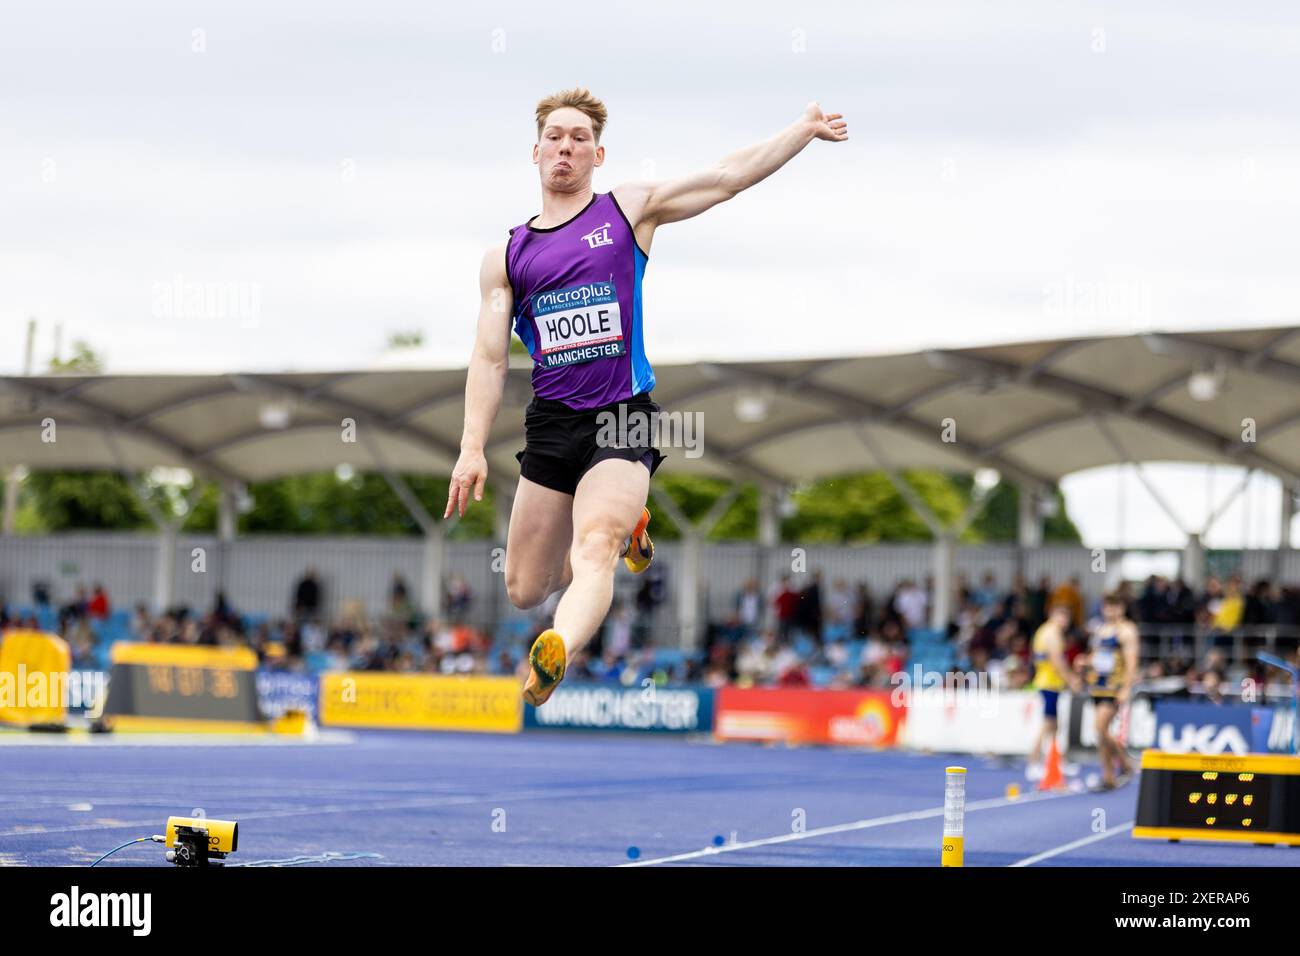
(954, 816)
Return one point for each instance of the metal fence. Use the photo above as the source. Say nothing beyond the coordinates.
(1165, 642)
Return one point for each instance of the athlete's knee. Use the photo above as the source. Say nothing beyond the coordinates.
(523, 592)
(597, 545)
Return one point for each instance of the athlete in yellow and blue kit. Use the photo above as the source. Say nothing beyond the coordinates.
(1052, 674)
(1112, 671)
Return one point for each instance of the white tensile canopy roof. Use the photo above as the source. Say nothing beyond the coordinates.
(1034, 411)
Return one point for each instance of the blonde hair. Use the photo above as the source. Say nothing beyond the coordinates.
(580, 99)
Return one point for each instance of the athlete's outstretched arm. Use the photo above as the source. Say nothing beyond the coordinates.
(678, 199)
(486, 380)
(1129, 640)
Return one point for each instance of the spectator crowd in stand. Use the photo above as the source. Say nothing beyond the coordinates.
(806, 631)
(797, 633)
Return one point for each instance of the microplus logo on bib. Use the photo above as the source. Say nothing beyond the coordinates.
(102, 909)
(578, 324)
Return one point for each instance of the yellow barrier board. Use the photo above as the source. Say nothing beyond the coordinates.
(421, 702)
(185, 655)
(33, 670)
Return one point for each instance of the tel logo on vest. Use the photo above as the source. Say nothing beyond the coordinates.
(598, 237)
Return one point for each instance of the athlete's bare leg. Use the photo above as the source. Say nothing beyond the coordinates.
(606, 507)
(1043, 740)
(537, 544)
(1106, 746)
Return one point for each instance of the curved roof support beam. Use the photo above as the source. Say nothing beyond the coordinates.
(1261, 362)
(1122, 454)
(350, 409)
(1096, 400)
(102, 417)
(846, 408)
(414, 506)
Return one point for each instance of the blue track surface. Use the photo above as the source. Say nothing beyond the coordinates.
(416, 798)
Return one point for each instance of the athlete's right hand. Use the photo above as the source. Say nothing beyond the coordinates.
(470, 472)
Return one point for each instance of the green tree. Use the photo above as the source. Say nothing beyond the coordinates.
(866, 508)
(1000, 519)
(63, 500)
(84, 360)
(408, 339)
(363, 504)
(844, 509)
(202, 516)
(68, 500)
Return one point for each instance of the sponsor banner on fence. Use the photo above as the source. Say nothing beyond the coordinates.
(680, 710)
(420, 702)
(1134, 726)
(1185, 727)
(1007, 722)
(990, 722)
(864, 718)
(278, 691)
(1271, 729)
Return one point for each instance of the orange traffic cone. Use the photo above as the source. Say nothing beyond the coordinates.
(1053, 779)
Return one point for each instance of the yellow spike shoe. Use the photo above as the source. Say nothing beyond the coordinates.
(639, 550)
(548, 658)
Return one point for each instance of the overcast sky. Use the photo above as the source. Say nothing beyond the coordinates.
(338, 168)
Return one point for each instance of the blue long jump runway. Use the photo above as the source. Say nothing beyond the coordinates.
(560, 799)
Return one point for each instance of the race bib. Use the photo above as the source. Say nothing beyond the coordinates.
(578, 324)
(1103, 660)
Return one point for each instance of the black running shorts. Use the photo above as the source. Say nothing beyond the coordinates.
(561, 444)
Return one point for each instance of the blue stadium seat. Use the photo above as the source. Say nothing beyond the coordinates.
(513, 630)
(822, 676)
(926, 637)
(836, 633)
(933, 659)
(856, 649)
(317, 661)
(668, 657)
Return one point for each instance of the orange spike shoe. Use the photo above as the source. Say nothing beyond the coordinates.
(548, 659)
(639, 550)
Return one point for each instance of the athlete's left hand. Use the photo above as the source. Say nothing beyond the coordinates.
(827, 126)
